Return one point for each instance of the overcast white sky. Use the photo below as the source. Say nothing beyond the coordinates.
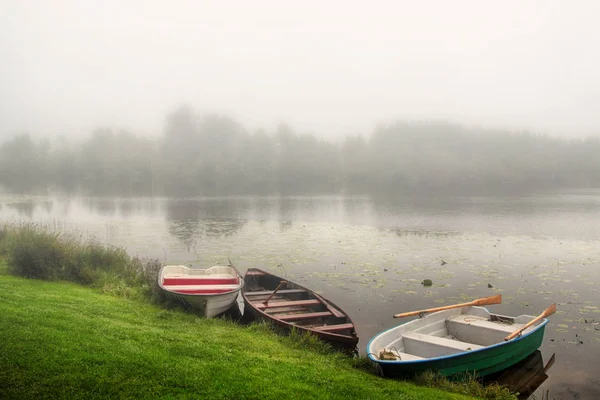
(329, 67)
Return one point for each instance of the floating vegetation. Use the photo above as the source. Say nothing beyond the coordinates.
(427, 282)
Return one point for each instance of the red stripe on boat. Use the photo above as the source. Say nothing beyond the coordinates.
(201, 281)
(202, 291)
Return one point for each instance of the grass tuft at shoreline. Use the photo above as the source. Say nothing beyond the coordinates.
(33, 252)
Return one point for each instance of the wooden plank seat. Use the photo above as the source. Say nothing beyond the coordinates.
(286, 310)
(278, 304)
(428, 346)
(283, 291)
(479, 330)
(296, 317)
(333, 328)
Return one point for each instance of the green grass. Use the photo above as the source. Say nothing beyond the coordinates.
(62, 340)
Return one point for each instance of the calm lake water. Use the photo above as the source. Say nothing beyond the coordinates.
(370, 255)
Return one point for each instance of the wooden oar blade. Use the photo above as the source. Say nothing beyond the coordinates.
(497, 299)
(547, 312)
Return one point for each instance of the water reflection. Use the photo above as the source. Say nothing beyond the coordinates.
(47, 205)
(524, 377)
(101, 205)
(128, 207)
(196, 209)
(193, 220)
(23, 208)
(285, 224)
(419, 233)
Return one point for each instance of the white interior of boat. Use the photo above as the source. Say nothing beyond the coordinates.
(446, 333)
(171, 274)
(181, 271)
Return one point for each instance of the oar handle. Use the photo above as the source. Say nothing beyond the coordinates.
(275, 291)
(497, 299)
(547, 312)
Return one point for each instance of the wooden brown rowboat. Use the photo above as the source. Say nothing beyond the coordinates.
(290, 305)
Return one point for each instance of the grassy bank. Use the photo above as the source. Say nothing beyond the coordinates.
(61, 340)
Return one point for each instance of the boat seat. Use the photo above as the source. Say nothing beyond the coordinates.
(480, 330)
(283, 291)
(200, 291)
(484, 323)
(428, 346)
(333, 328)
(296, 317)
(262, 306)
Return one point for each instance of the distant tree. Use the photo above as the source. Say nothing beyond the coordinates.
(23, 163)
(210, 154)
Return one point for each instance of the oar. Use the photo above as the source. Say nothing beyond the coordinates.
(275, 291)
(547, 312)
(240, 276)
(497, 299)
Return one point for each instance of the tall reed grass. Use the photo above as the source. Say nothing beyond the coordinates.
(34, 252)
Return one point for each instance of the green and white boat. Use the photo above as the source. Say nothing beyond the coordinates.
(456, 340)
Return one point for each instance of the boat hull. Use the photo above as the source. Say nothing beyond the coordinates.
(207, 306)
(345, 342)
(208, 292)
(468, 340)
(480, 363)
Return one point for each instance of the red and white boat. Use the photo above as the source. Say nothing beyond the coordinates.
(210, 291)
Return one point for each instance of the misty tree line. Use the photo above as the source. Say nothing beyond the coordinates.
(214, 155)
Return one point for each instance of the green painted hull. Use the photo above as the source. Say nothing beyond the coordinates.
(480, 362)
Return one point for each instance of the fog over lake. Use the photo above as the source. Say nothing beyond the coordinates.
(355, 148)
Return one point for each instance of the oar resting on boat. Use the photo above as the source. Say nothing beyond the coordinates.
(459, 338)
(547, 312)
(497, 299)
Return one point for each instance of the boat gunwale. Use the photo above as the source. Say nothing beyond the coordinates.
(456, 355)
(349, 338)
